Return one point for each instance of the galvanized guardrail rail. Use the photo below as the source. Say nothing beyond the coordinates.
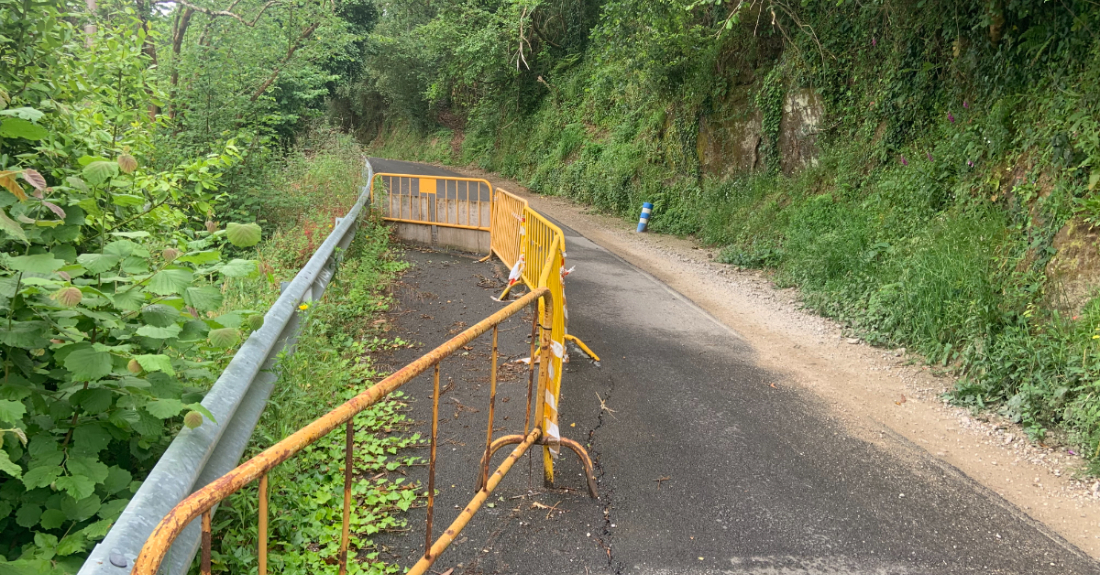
(198, 456)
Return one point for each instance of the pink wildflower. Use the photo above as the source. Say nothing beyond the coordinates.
(951, 117)
(904, 162)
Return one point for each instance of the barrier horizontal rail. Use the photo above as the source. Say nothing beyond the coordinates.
(198, 456)
(445, 201)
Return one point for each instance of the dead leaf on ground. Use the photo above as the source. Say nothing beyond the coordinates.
(900, 401)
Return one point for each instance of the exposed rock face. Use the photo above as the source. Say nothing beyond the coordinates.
(802, 114)
(730, 145)
(1074, 271)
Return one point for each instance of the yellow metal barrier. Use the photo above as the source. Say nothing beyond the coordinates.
(541, 257)
(202, 502)
(508, 212)
(463, 203)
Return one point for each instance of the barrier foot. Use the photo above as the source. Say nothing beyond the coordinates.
(586, 462)
(582, 454)
(504, 294)
(583, 347)
(485, 259)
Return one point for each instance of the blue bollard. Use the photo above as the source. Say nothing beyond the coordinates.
(647, 208)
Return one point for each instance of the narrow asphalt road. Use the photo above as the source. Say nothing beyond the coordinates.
(705, 465)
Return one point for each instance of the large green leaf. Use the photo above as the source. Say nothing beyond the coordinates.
(98, 172)
(28, 515)
(224, 337)
(24, 334)
(20, 128)
(165, 408)
(200, 258)
(117, 479)
(170, 281)
(12, 227)
(160, 315)
(159, 332)
(239, 268)
(77, 486)
(40, 476)
(88, 364)
(128, 298)
(38, 263)
(24, 113)
(8, 466)
(88, 467)
(72, 543)
(79, 509)
(127, 200)
(203, 298)
(98, 263)
(93, 401)
(52, 519)
(156, 362)
(243, 235)
(12, 411)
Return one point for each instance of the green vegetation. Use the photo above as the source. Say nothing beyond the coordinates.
(140, 145)
(924, 170)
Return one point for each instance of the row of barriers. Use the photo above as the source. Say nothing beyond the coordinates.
(534, 249)
(528, 243)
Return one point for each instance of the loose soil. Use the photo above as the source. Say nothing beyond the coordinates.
(876, 392)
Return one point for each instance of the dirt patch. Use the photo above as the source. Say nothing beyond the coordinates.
(863, 385)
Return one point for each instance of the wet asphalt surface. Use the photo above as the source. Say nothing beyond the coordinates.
(704, 466)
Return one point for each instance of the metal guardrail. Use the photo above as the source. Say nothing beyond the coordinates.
(198, 456)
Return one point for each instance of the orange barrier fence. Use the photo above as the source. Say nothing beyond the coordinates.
(445, 201)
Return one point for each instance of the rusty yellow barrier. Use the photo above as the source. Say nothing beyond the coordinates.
(508, 213)
(202, 502)
(451, 202)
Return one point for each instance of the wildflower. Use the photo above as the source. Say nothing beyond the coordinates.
(304, 307)
(966, 104)
(904, 162)
(929, 156)
(1096, 337)
(873, 42)
(951, 117)
(969, 163)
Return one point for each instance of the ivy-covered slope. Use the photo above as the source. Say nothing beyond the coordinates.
(925, 170)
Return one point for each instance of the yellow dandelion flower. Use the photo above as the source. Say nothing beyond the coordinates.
(304, 307)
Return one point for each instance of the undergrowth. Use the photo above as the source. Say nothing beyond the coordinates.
(331, 363)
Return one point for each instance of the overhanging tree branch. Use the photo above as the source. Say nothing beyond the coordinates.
(289, 54)
(227, 13)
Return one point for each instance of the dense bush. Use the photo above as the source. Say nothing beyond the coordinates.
(120, 272)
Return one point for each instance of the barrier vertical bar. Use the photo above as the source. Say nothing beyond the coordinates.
(204, 568)
(262, 544)
(345, 530)
(431, 465)
(492, 407)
